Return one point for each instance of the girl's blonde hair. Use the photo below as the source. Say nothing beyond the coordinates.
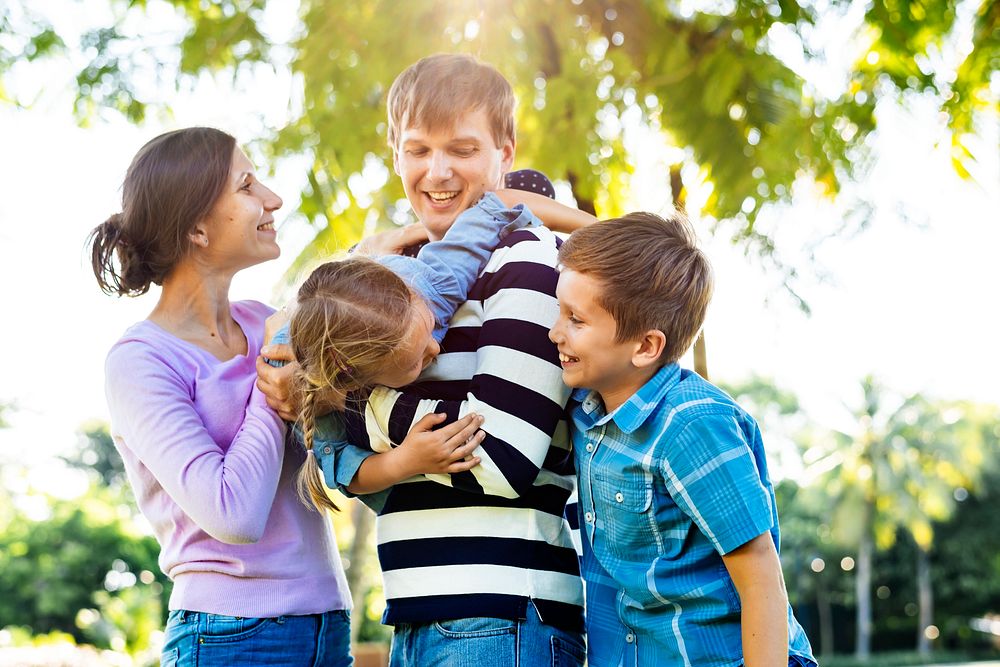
(352, 315)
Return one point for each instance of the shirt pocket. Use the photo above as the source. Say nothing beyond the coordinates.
(623, 504)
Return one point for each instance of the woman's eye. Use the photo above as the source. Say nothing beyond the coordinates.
(246, 186)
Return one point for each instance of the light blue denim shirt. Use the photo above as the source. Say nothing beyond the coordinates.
(668, 483)
(442, 272)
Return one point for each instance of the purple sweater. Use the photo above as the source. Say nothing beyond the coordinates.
(211, 472)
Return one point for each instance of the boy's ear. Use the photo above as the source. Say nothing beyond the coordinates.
(649, 348)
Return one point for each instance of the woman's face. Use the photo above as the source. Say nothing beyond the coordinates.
(239, 230)
(417, 352)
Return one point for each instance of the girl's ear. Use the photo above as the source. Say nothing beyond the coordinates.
(649, 348)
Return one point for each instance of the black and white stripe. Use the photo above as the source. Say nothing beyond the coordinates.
(482, 543)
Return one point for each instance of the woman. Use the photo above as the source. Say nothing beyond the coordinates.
(257, 577)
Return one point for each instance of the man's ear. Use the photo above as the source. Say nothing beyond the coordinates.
(507, 155)
(395, 161)
(649, 348)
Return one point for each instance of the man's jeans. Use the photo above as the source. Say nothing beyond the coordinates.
(210, 640)
(486, 642)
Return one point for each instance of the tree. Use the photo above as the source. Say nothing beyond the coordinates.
(899, 470)
(742, 121)
(96, 455)
(85, 551)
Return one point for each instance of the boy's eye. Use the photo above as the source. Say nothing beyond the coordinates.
(575, 320)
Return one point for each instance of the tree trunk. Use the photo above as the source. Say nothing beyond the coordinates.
(363, 520)
(925, 597)
(700, 356)
(582, 203)
(825, 610)
(863, 586)
(678, 196)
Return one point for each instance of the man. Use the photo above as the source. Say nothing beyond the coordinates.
(479, 568)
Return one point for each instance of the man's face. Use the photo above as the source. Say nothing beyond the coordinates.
(446, 171)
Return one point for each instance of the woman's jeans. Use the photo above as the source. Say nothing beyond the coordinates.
(197, 639)
(486, 642)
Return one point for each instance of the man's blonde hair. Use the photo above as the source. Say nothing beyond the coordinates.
(435, 91)
(652, 275)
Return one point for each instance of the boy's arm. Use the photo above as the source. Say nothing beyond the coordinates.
(517, 385)
(444, 270)
(756, 572)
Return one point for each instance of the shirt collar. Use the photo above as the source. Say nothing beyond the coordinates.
(631, 414)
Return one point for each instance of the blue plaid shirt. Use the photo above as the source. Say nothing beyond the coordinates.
(669, 482)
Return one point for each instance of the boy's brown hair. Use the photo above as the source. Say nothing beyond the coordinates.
(434, 91)
(652, 273)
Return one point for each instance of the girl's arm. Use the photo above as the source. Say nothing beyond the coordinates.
(423, 451)
(557, 217)
(756, 572)
(444, 270)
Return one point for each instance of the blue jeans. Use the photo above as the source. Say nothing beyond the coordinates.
(197, 639)
(486, 642)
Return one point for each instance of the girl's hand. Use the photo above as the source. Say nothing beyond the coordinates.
(557, 217)
(441, 451)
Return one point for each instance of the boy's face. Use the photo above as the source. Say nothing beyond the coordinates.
(585, 335)
(447, 171)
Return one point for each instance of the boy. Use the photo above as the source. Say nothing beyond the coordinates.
(679, 527)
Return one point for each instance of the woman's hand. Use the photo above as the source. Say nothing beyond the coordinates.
(446, 450)
(393, 241)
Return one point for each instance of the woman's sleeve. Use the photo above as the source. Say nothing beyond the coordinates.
(227, 493)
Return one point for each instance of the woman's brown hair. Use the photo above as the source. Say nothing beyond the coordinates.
(352, 316)
(172, 183)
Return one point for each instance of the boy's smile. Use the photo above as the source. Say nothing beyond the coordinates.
(588, 352)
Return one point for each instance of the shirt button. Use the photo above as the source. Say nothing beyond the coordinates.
(630, 638)
(589, 517)
(619, 497)
(327, 449)
(590, 446)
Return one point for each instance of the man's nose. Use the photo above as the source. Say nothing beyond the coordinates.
(440, 167)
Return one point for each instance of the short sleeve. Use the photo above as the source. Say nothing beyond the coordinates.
(711, 473)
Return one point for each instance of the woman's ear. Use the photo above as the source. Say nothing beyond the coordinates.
(198, 235)
(649, 348)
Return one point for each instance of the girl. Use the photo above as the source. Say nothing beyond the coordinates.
(358, 324)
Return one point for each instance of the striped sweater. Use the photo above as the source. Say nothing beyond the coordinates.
(484, 542)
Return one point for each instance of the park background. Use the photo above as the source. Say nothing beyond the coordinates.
(840, 160)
